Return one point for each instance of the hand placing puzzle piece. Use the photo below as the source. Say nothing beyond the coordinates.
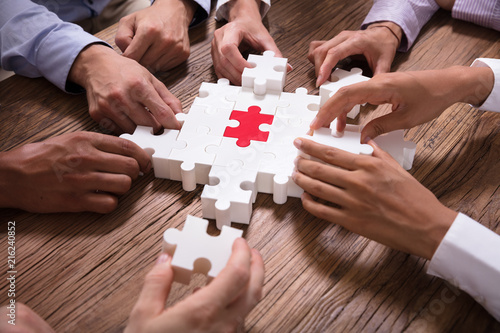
(195, 251)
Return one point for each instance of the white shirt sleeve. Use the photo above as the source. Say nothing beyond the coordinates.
(469, 258)
(492, 103)
(223, 13)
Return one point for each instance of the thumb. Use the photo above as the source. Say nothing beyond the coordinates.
(387, 123)
(156, 288)
(125, 33)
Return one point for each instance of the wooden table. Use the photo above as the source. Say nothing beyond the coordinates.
(83, 272)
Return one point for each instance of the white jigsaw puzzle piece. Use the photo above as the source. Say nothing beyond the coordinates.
(230, 195)
(215, 120)
(341, 78)
(195, 251)
(298, 104)
(213, 95)
(192, 164)
(394, 143)
(158, 147)
(268, 73)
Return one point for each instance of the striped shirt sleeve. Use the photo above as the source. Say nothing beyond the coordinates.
(482, 12)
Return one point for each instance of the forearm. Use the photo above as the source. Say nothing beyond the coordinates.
(7, 179)
(46, 47)
(87, 61)
(470, 84)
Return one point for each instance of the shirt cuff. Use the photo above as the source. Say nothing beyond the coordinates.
(469, 258)
(492, 103)
(481, 12)
(222, 12)
(411, 16)
(60, 49)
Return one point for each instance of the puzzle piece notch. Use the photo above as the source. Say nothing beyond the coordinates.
(341, 78)
(268, 73)
(203, 118)
(248, 129)
(158, 147)
(194, 251)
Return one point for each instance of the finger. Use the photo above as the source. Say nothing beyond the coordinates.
(139, 45)
(320, 53)
(253, 293)
(125, 32)
(333, 56)
(331, 155)
(120, 146)
(162, 108)
(102, 203)
(387, 123)
(323, 172)
(122, 120)
(155, 291)
(383, 64)
(321, 189)
(233, 279)
(231, 52)
(116, 164)
(346, 98)
(312, 47)
(322, 211)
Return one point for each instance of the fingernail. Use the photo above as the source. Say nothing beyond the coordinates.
(314, 123)
(297, 143)
(148, 167)
(294, 175)
(296, 160)
(163, 258)
(290, 67)
(365, 141)
(320, 79)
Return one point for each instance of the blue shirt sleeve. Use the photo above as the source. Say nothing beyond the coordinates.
(35, 42)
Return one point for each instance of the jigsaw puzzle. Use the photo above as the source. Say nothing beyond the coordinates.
(238, 141)
(194, 251)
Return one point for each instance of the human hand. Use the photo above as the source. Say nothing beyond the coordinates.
(218, 307)
(377, 43)
(416, 97)
(372, 196)
(73, 172)
(119, 90)
(157, 37)
(244, 30)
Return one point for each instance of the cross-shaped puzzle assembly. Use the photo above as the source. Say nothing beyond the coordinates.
(238, 141)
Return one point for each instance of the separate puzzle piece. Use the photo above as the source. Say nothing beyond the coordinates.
(230, 195)
(194, 251)
(248, 128)
(341, 78)
(158, 147)
(268, 73)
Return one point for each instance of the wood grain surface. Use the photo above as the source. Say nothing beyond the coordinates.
(83, 272)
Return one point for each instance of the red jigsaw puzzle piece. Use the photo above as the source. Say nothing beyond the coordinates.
(248, 128)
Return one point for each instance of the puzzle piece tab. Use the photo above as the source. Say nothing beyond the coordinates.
(194, 251)
(248, 128)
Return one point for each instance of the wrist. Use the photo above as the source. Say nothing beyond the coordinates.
(244, 9)
(86, 61)
(391, 28)
(474, 84)
(186, 8)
